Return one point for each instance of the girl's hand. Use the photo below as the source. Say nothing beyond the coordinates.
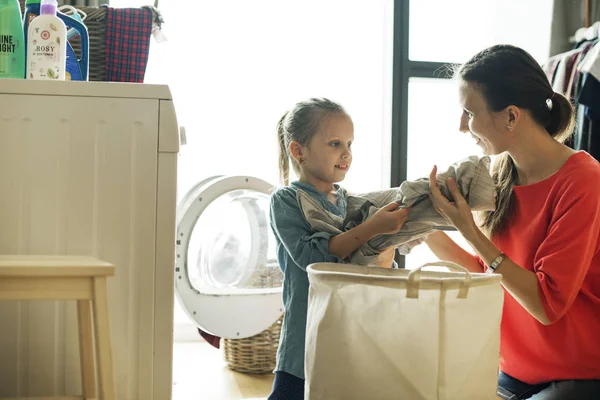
(389, 219)
(458, 212)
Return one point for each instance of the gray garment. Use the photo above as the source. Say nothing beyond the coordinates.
(474, 182)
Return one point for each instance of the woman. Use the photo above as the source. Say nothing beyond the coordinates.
(543, 237)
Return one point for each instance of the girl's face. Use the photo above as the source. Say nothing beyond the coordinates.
(328, 155)
(487, 128)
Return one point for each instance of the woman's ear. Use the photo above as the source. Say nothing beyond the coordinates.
(513, 117)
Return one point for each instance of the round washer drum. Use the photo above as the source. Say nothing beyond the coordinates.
(226, 274)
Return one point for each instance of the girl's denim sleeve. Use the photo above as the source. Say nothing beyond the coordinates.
(303, 245)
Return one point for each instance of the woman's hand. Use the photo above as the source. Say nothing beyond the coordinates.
(458, 212)
(388, 219)
(521, 283)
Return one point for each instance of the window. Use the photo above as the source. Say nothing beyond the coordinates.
(235, 67)
(433, 138)
(453, 31)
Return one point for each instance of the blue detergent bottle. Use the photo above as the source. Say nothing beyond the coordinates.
(77, 69)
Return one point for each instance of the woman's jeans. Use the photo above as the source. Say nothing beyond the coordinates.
(510, 388)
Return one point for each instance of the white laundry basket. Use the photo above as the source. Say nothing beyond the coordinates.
(379, 334)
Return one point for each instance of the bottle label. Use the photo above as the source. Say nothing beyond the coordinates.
(9, 56)
(8, 44)
(46, 53)
(30, 18)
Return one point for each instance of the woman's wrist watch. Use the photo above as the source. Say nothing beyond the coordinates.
(494, 264)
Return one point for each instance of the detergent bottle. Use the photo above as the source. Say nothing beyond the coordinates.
(47, 45)
(12, 43)
(77, 69)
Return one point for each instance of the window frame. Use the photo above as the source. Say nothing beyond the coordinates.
(403, 69)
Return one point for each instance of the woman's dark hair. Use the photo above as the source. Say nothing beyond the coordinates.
(507, 75)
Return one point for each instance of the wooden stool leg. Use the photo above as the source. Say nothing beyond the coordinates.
(86, 349)
(103, 348)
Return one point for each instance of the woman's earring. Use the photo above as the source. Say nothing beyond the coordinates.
(302, 160)
(509, 127)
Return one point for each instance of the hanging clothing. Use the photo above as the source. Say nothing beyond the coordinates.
(576, 74)
(563, 70)
(587, 98)
(589, 101)
(591, 63)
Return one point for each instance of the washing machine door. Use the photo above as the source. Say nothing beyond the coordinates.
(227, 278)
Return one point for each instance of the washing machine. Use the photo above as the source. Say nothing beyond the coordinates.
(227, 278)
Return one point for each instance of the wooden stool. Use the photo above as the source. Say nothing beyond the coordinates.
(31, 277)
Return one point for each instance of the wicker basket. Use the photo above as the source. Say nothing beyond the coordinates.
(256, 354)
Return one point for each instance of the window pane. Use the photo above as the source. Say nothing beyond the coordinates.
(254, 60)
(433, 138)
(453, 31)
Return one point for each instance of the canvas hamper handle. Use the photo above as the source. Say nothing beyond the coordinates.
(414, 278)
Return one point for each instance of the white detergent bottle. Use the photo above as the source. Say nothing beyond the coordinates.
(47, 44)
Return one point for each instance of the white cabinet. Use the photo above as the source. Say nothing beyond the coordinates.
(90, 168)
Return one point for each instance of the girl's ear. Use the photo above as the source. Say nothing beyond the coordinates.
(296, 151)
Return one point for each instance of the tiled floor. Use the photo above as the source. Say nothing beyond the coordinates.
(200, 373)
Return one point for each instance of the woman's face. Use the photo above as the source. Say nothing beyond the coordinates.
(487, 128)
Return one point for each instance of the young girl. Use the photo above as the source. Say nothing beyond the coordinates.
(317, 136)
